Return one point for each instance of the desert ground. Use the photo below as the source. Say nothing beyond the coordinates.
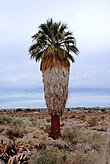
(24, 137)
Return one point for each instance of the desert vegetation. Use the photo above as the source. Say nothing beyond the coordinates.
(84, 138)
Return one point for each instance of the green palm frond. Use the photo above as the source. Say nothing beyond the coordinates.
(62, 53)
(65, 55)
(62, 27)
(53, 37)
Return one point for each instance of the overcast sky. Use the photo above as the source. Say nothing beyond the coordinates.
(20, 79)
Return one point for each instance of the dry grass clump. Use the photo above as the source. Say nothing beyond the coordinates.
(14, 133)
(80, 157)
(2, 127)
(14, 128)
(38, 134)
(91, 138)
(97, 136)
(73, 115)
(26, 144)
(93, 121)
(48, 119)
(34, 123)
(64, 117)
(81, 117)
(2, 146)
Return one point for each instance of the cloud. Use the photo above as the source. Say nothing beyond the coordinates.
(90, 72)
(89, 97)
(89, 21)
(23, 98)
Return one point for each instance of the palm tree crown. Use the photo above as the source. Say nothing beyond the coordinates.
(53, 38)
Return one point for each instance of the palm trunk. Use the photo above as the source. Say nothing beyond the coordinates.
(56, 89)
(55, 127)
(55, 77)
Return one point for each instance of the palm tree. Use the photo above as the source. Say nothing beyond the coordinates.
(52, 44)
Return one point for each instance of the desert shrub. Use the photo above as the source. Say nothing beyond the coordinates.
(28, 110)
(14, 132)
(5, 120)
(2, 128)
(46, 158)
(72, 116)
(81, 117)
(51, 156)
(17, 122)
(97, 136)
(19, 110)
(69, 134)
(80, 158)
(34, 123)
(102, 117)
(47, 128)
(92, 121)
(96, 140)
(48, 119)
(63, 158)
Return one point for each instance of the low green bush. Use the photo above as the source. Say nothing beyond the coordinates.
(5, 120)
(17, 122)
(47, 128)
(69, 134)
(51, 156)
